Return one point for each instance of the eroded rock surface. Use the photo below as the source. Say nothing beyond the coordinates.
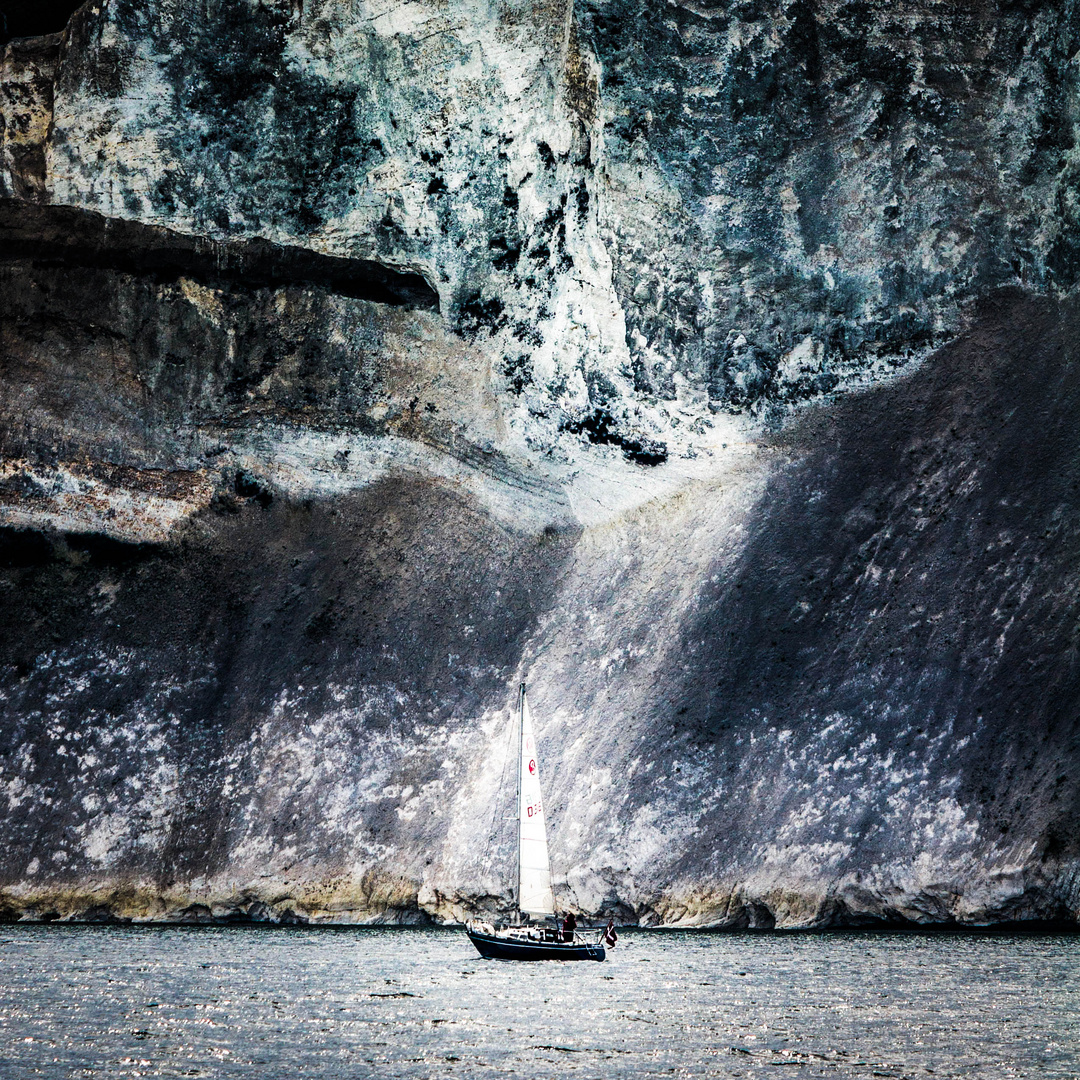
(711, 369)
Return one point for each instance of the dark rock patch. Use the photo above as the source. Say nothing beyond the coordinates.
(19, 19)
(68, 237)
(600, 427)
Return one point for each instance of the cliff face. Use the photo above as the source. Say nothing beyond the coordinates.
(831, 181)
(357, 364)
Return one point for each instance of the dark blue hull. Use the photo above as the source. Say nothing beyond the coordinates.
(500, 948)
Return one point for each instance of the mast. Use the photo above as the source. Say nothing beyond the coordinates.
(521, 735)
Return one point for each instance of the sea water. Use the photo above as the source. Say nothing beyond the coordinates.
(106, 1001)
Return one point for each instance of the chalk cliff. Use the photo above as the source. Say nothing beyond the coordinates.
(711, 368)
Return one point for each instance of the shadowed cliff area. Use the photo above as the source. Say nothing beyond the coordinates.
(918, 568)
(137, 341)
(155, 698)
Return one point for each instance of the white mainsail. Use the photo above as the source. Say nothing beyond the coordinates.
(534, 869)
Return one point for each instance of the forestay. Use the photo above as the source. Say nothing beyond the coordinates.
(535, 896)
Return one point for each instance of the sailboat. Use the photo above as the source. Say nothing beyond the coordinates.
(535, 897)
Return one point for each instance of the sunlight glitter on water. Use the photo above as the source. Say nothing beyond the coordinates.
(229, 1002)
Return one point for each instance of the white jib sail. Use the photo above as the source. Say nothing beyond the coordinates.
(534, 870)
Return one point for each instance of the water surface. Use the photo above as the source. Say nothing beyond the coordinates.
(88, 1001)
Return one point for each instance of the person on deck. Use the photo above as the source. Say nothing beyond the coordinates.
(610, 936)
(569, 926)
